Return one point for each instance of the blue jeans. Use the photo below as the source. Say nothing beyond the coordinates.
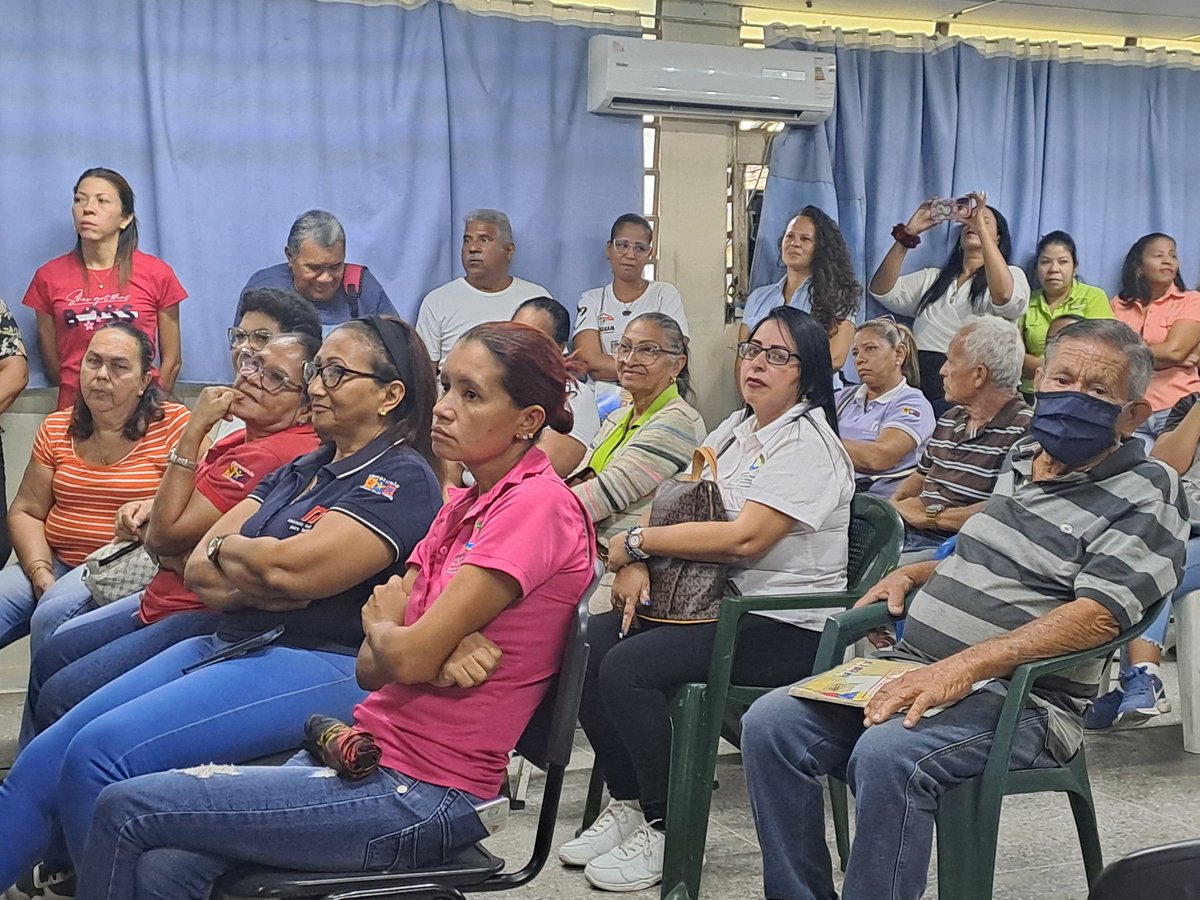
(170, 835)
(155, 718)
(21, 614)
(92, 649)
(897, 775)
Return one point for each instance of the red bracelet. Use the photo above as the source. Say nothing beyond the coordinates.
(904, 237)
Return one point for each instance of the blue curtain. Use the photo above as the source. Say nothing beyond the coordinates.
(231, 117)
(1104, 151)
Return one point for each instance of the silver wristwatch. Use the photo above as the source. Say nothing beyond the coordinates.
(633, 544)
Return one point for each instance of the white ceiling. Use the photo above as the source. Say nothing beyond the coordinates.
(1173, 19)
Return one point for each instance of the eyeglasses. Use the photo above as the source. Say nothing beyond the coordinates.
(623, 246)
(642, 353)
(332, 374)
(272, 380)
(256, 339)
(776, 356)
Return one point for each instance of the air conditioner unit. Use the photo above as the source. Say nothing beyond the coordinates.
(633, 76)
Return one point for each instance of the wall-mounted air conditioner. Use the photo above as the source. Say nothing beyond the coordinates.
(633, 76)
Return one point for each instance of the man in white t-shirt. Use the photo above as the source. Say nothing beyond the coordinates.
(486, 294)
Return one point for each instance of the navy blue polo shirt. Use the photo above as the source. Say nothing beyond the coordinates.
(386, 486)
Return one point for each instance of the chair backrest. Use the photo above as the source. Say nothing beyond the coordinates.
(550, 734)
(1169, 872)
(876, 539)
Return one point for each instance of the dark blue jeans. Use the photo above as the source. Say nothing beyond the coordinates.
(155, 718)
(170, 835)
(897, 775)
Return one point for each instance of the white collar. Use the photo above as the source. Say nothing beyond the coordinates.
(745, 431)
(860, 396)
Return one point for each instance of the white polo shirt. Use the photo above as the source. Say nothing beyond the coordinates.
(795, 465)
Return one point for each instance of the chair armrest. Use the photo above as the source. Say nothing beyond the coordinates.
(845, 628)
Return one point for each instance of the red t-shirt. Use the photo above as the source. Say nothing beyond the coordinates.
(231, 468)
(461, 738)
(65, 291)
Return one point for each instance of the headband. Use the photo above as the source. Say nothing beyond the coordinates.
(394, 345)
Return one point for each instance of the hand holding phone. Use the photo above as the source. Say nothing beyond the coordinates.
(944, 209)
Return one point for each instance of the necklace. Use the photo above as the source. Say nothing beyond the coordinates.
(106, 273)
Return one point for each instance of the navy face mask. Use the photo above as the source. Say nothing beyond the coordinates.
(1074, 427)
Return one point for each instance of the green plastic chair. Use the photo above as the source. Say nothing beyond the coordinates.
(968, 816)
(699, 711)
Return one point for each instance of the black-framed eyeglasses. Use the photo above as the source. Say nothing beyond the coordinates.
(776, 356)
(255, 340)
(623, 246)
(332, 374)
(272, 380)
(646, 354)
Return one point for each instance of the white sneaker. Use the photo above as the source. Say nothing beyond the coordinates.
(617, 823)
(636, 864)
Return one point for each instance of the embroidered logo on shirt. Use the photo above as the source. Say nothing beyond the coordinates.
(758, 462)
(377, 484)
(308, 520)
(911, 411)
(470, 545)
(237, 473)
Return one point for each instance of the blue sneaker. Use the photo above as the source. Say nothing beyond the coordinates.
(1144, 698)
(1102, 713)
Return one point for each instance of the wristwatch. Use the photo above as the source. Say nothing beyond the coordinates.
(633, 544)
(214, 549)
(932, 511)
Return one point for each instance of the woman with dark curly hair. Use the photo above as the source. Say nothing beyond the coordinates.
(820, 281)
(87, 462)
(976, 280)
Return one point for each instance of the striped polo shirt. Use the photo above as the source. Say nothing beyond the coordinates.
(1115, 533)
(960, 464)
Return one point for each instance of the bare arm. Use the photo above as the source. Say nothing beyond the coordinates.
(881, 454)
(840, 342)
(27, 525)
(169, 347)
(1079, 625)
(565, 452)
(181, 515)
(885, 276)
(336, 554)
(910, 487)
(955, 517)
(995, 266)
(14, 375)
(1177, 447)
(756, 530)
(1182, 338)
(48, 348)
(600, 365)
(205, 580)
(415, 654)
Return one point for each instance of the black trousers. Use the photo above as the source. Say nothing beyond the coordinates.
(631, 682)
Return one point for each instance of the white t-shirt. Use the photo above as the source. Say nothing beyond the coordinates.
(449, 311)
(600, 310)
(795, 465)
(935, 327)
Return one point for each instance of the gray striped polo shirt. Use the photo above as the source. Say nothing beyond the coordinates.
(1115, 533)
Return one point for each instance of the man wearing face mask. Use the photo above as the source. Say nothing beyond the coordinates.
(1080, 536)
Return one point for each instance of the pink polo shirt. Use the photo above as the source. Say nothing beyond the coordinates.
(1153, 322)
(529, 526)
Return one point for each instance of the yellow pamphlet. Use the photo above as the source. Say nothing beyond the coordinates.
(854, 683)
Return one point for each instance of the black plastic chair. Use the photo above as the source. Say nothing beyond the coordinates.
(1169, 872)
(546, 743)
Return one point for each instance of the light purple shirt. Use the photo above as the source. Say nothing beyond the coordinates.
(903, 407)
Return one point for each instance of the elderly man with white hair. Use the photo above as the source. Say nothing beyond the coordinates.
(1081, 535)
(487, 293)
(958, 469)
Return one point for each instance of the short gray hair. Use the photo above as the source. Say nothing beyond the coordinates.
(995, 344)
(1139, 359)
(492, 217)
(318, 226)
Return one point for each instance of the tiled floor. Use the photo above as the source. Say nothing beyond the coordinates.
(1147, 792)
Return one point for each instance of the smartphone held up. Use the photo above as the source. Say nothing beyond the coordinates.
(945, 209)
